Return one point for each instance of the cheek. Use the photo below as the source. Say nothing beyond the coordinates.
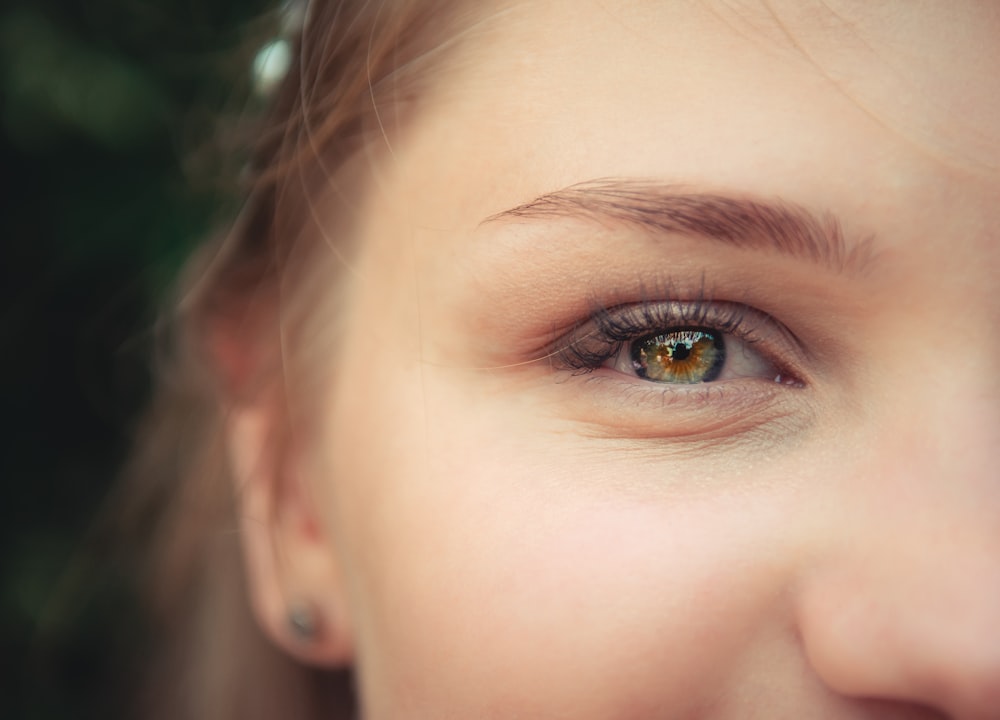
(502, 565)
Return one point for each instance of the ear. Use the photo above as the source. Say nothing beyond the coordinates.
(292, 567)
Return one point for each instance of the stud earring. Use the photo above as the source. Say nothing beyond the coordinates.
(303, 622)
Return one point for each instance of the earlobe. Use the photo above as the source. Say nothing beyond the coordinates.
(293, 573)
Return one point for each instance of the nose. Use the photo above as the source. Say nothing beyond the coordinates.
(901, 598)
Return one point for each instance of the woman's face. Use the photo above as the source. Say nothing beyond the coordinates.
(537, 512)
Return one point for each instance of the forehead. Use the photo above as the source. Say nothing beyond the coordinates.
(855, 107)
(914, 68)
(926, 71)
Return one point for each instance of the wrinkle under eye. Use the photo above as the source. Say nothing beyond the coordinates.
(688, 356)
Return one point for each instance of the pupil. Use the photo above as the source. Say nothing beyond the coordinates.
(684, 355)
(681, 351)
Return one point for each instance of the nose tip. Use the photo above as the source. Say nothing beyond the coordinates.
(899, 599)
(911, 646)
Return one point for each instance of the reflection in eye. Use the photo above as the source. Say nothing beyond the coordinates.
(682, 356)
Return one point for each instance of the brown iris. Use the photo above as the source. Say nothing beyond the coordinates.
(690, 355)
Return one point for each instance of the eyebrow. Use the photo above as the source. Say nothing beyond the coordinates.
(746, 222)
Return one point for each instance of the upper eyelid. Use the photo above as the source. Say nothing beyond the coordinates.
(628, 321)
(723, 315)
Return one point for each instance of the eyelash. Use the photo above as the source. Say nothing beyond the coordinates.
(602, 336)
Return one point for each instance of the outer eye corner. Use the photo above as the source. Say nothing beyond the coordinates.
(788, 381)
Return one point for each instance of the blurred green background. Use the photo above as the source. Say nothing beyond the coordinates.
(116, 155)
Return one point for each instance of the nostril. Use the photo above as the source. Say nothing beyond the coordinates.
(976, 695)
(891, 710)
(966, 684)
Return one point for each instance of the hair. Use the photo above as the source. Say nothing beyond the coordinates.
(241, 304)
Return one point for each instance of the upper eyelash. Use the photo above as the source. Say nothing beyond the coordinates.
(602, 335)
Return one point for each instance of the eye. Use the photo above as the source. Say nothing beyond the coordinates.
(677, 343)
(692, 355)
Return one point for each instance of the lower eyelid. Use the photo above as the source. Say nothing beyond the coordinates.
(621, 406)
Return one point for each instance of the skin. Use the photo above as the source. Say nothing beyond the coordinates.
(487, 535)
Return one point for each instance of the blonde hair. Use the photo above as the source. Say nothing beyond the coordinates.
(354, 59)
